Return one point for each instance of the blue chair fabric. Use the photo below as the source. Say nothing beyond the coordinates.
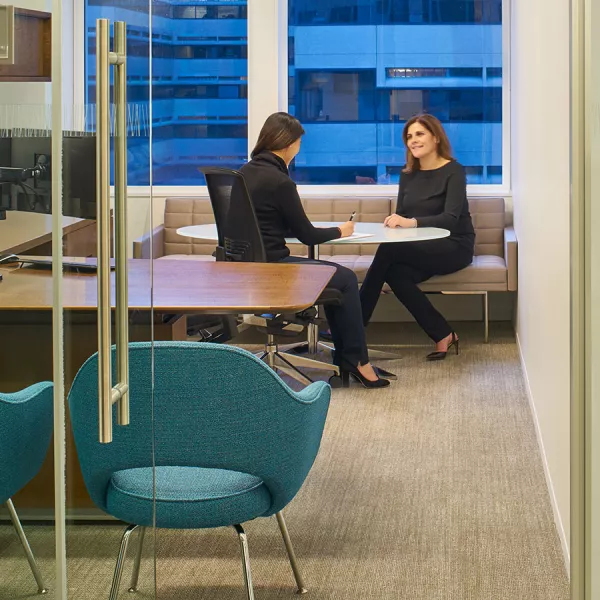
(25, 432)
(232, 441)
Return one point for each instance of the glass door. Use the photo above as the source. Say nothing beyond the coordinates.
(27, 501)
(108, 319)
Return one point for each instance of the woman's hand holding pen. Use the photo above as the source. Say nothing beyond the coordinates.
(398, 221)
(346, 229)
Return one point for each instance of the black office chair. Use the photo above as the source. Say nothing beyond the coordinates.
(240, 239)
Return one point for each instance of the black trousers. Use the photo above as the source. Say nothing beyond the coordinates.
(345, 321)
(403, 265)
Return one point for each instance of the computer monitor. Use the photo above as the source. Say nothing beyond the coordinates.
(26, 174)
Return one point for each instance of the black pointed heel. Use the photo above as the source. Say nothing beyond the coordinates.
(385, 374)
(340, 381)
(368, 383)
(343, 379)
(439, 355)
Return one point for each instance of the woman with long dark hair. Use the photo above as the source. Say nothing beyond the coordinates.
(432, 193)
(280, 213)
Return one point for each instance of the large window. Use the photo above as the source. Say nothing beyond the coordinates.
(358, 69)
(198, 86)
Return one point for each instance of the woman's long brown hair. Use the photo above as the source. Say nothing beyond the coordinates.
(433, 125)
(279, 131)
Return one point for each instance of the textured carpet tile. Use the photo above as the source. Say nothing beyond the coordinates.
(432, 489)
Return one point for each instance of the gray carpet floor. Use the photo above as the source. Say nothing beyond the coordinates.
(431, 489)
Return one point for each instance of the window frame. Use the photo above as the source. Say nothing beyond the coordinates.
(268, 93)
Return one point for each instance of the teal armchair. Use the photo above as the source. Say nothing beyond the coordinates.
(232, 443)
(25, 432)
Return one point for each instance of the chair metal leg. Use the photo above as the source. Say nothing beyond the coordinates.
(114, 590)
(291, 361)
(486, 321)
(293, 373)
(312, 338)
(245, 560)
(308, 363)
(34, 568)
(138, 560)
(291, 554)
(313, 346)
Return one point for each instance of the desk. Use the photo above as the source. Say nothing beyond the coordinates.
(179, 287)
(31, 233)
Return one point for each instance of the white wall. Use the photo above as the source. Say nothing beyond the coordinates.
(541, 188)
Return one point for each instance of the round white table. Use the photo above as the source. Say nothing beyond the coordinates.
(374, 233)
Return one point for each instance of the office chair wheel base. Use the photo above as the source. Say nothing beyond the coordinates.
(335, 381)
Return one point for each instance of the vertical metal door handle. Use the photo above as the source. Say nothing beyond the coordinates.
(122, 300)
(107, 394)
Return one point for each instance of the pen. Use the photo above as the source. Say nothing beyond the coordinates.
(352, 216)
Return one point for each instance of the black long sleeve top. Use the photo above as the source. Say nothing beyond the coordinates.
(278, 207)
(438, 198)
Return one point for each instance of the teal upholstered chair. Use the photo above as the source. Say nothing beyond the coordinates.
(232, 443)
(25, 431)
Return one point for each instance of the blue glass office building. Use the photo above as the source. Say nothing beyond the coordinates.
(357, 70)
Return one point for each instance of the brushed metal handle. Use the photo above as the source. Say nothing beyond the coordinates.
(107, 394)
(122, 299)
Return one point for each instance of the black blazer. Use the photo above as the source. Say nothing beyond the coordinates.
(438, 198)
(278, 207)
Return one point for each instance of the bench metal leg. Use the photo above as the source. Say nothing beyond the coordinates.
(486, 319)
(486, 316)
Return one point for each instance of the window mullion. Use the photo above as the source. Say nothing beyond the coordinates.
(264, 57)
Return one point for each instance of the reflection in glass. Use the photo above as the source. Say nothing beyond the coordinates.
(199, 85)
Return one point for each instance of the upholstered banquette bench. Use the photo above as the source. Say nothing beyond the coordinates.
(494, 267)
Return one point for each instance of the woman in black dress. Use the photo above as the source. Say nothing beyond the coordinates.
(432, 193)
(280, 214)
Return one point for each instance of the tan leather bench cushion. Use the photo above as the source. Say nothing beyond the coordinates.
(180, 212)
(485, 273)
(488, 271)
(338, 210)
(489, 222)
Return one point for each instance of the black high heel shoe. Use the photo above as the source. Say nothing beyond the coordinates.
(343, 380)
(440, 355)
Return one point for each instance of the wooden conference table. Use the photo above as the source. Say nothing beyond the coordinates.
(161, 292)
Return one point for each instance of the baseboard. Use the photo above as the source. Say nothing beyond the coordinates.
(557, 518)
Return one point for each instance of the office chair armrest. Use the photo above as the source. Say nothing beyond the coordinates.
(151, 244)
